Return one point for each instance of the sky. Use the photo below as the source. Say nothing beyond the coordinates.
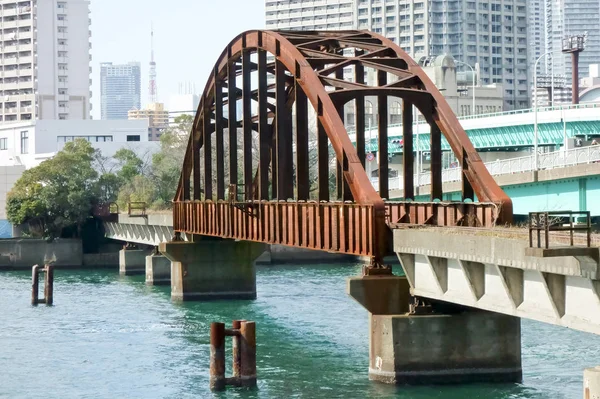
(189, 36)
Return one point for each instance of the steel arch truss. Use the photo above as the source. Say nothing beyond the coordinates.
(252, 139)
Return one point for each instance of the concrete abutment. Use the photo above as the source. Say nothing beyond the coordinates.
(210, 269)
(465, 346)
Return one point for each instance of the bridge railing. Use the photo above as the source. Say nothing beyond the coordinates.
(548, 160)
(467, 214)
(565, 107)
(336, 227)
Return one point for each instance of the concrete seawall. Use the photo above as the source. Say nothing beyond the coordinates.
(23, 253)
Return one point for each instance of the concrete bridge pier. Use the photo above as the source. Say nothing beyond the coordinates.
(132, 261)
(458, 347)
(209, 269)
(158, 270)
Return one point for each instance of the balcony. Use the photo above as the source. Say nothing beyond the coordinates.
(11, 86)
(10, 12)
(9, 111)
(10, 49)
(25, 60)
(26, 110)
(12, 73)
(10, 24)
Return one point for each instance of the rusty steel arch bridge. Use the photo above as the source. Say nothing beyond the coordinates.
(270, 125)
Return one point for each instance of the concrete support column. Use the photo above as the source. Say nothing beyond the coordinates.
(473, 346)
(158, 270)
(465, 346)
(212, 269)
(132, 261)
(591, 383)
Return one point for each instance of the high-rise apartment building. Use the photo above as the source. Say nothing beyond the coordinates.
(573, 17)
(490, 34)
(44, 60)
(310, 14)
(536, 35)
(120, 89)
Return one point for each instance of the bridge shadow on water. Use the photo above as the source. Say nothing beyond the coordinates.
(109, 336)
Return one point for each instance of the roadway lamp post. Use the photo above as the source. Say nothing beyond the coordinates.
(535, 110)
(473, 76)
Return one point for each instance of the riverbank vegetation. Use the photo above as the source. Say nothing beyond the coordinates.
(57, 198)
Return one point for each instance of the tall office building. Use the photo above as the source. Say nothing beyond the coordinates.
(573, 17)
(120, 89)
(44, 60)
(492, 34)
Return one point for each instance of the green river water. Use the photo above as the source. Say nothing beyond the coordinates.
(114, 337)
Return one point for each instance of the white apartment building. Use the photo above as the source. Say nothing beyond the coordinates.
(44, 60)
(310, 14)
(536, 35)
(490, 34)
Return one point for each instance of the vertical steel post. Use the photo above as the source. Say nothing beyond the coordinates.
(436, 162)
(247, 122)
(407, 150)
(232, 122)
(207, 144)
(359, 110)
(302, 169)
(219, 138)
(196, 159)
(382, 121)
(35, 284)
(264, 132)
(323, 162)
(236, 350)
(283, 135)
(467, 188)
(217, 356)
(575, 76)
(49, 285)
(248, 353)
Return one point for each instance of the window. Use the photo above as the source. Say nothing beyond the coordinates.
(24, 142)
(133, 138)
(3, 143)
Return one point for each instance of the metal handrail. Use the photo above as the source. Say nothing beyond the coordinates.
(554, 221)
(136, 206)
(549, 160)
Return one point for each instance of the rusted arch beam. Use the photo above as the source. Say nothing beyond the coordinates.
(294, 61)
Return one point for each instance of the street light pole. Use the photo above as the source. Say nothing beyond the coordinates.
(473, 76)
(535, 110)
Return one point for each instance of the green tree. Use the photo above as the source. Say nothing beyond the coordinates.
(167, 163)
(61, 192)
(129, 164)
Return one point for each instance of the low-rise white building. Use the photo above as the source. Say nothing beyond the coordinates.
(29, 143)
